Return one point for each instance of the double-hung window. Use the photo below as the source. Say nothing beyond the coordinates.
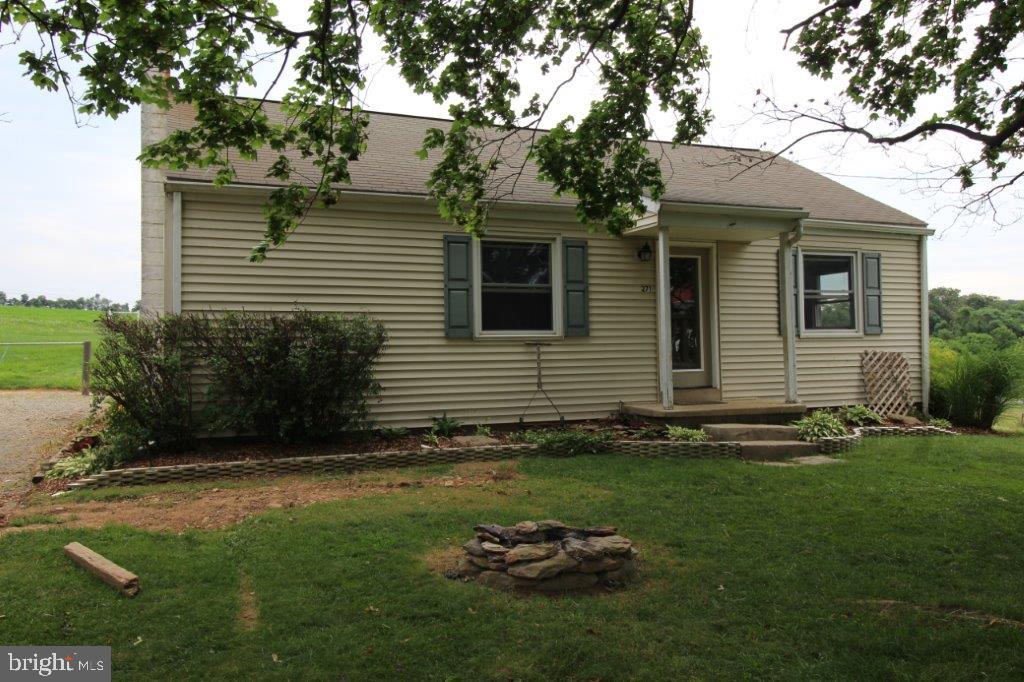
(828, 292)
(516, 287)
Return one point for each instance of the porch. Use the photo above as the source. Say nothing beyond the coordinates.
(718, 270)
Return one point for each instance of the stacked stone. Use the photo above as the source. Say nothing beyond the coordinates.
(547, 556)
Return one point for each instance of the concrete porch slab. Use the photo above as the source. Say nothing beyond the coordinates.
(746, 411)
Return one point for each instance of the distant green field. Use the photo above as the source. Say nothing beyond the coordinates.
(44, 366)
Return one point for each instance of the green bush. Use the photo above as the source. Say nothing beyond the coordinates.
(297, 377)
(647, 433)
(444, 426)
(391, 432)
(819, 424)
(144, 367)
(681, 433)
(859, 415)
(975, 388)
(568, 442)
(940, 423)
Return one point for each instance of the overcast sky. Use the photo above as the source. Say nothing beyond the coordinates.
(69, 219)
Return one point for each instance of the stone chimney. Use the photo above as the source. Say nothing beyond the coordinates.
(154, 218)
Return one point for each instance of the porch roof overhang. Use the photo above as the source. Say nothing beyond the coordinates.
(716, 222)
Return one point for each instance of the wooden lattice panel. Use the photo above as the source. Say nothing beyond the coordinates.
(887, 381)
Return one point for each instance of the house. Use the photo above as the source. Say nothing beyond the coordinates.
(747, 293)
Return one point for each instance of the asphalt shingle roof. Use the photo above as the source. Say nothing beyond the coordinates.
(693, 173)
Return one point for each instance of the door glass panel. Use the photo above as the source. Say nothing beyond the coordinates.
(684, 276)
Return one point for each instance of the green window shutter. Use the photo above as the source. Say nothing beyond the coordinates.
(872, 293)
(458, 286)
(574, 268)
(798, 277)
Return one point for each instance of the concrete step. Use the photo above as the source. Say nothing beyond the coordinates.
(696, 396)
(776, 449)
(730, 411)
(748, 432)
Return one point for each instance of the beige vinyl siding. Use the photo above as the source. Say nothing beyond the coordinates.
(752, 360)
(384, 257)
(828, 367)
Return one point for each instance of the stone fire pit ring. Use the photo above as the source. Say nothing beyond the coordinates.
(547, 557)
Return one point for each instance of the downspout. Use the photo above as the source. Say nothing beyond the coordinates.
(789, 313)
(926, 378)
(175, 254)
(797, 234)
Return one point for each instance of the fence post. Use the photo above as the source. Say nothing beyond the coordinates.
(86, 357)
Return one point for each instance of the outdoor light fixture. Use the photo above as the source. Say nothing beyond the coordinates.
(644, 252)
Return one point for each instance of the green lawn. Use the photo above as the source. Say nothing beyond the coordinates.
(749, 572)
(44, 366)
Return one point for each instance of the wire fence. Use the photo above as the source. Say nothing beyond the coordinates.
(86, 354)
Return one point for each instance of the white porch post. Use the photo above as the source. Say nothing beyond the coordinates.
(664, 320)
(788, 314)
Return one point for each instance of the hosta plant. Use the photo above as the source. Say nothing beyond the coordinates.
(681, 433)
(859, 415)
(819, 424)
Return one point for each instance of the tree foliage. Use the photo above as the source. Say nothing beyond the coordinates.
(975, 321)
(916, 68)
(910, 69)
(95, 302)
(471, 54)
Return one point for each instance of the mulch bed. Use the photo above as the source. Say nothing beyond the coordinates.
(247, 449)
(239, 450)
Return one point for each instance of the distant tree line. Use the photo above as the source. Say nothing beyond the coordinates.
(975, 320)
(95, 302)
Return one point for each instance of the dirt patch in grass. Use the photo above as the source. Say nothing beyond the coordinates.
(248, 613)
(954, 612)
(443, 560)
(218, 507)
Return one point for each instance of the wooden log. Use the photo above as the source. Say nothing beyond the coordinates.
(126, 582)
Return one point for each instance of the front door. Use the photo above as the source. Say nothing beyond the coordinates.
(688, 279)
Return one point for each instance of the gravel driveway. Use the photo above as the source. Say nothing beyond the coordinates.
(32, 425)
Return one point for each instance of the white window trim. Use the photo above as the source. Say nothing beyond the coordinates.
(557, 286)
(856, 291)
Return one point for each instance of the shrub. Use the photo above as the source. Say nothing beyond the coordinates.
(647, 433)
(859, 415)
(940, 423)
(298, 377)
(484, 430)
(568, 442)
(144, 366)
(681, 433)
(444, 426)
(391, 432)
(975, 388)
(819, 424)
